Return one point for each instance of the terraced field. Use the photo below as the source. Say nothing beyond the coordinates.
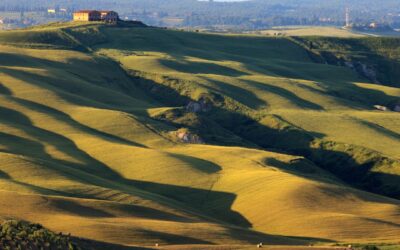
(88, 121)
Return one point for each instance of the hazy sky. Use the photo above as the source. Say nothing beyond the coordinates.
(227, 0)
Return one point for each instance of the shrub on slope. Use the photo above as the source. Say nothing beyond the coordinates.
(22, 235)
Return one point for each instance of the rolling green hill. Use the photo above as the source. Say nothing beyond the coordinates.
(288, 150)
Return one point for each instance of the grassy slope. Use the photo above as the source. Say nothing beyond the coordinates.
(271, 76)
(279, 78)
(311, 31)
(78, 137)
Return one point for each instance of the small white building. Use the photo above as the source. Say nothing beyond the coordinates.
(51, 11)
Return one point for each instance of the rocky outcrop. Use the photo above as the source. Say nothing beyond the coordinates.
(363, 69)
(394, 106)
(200, 106)
(381, 108)
(185, 136)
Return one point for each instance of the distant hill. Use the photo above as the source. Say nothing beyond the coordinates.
(219, 15)
(310, 31)
(140, 136)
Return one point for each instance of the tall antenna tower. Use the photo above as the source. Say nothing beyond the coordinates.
(347, 17)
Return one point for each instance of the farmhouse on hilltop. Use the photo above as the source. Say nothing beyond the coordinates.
(87, 15)
(94, 15)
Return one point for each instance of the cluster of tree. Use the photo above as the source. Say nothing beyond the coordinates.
(255, 14)
(22, 235)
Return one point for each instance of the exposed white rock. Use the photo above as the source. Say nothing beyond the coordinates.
(380, 107)
(186, 136)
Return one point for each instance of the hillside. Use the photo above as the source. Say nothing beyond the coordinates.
(289, 149)
(320, 31)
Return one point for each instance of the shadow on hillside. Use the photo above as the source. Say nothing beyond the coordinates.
(169, 238)
(36, 150)
(381, 129)
(370, 51)
(251, 237)
(294, 141)
(4, 90)
(304, 168)
(359, 176)
(63, 144)
(7, 114)
(281, 68)
(197, 163)
(144, 212)
(204, 46)
(212, 203)
(199, 199)
(338, 85)
(79, 81)
(207, 202)
(76, 208)
(4, 175)
(37, 189)
(349, 101)
(93, 244)
(179, 45)
(266, 136)
(67, 146)
(8, 59)
(352, 164)
(79, 94)
(14, 116)
(345, 92)
(243, 95)
(217, 205)
(384, 183)
(16, 60)
(200, 68)
(356, 94)
(284, 93)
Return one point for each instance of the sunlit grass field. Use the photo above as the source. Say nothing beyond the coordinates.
(82, 150)
(279, 79)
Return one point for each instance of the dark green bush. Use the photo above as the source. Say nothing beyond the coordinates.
(22, 235)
